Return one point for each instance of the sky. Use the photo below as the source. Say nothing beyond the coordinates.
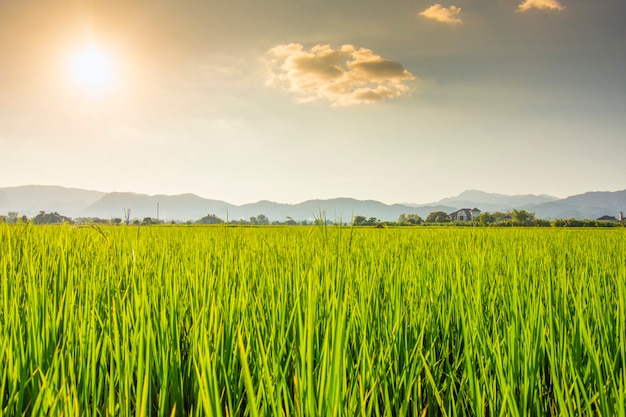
(398, 101)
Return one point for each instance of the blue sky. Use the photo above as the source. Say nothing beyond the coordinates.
(404, 101)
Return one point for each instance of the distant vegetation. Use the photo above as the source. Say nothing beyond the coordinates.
(518, 218)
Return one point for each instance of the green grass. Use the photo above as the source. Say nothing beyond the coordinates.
(228, 321)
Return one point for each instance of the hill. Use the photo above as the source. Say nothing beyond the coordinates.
(73, 202)
(495, 202)
(171, 207)
(31, 199)
(590, 205)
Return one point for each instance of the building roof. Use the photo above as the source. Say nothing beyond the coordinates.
(467, 211)
(607, 218)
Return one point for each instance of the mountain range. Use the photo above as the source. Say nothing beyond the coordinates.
(72, 202)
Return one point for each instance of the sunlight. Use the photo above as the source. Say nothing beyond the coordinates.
(91, 69)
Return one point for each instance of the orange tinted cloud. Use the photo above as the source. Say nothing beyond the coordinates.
(443, 14)
(540, 4)
(344, 76)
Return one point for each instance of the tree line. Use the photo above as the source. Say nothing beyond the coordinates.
(437, 218)
(512, 218)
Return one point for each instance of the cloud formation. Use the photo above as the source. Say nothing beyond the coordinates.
(540, 4)
(344, 76)
(443, 14)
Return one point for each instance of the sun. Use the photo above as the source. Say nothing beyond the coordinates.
(91, 68)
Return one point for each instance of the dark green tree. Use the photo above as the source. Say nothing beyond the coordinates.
(13, 216)
(501, 217)
(438, 217)
(210, 219)
(50, 218)
(523, 217)
(486, 218)
(359, 221)
(410, 219)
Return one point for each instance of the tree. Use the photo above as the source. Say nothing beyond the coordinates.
(210, 219)
(363, 221)
(501, 217)
(359, 220)
(50, 218)
(260, 219)
(127, 216)
(438, 217)
(523, 217)
(414, 219)
(290, 221)
(486, 218)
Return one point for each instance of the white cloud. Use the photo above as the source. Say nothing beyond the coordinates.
(540, 4)
(344, 76)
(443, 14)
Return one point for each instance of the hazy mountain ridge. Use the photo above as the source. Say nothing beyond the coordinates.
(192, 207)
(73, 202)
(31, 199)
(4, 200)
(503, 201)
(175, 207)
(590, 205)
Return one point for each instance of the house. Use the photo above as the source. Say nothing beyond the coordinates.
(464, 215)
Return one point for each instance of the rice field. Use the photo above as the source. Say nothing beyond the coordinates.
(311, 321)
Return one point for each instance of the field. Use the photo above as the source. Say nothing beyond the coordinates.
(304, 321)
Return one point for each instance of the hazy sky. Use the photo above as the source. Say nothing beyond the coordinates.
(398, 101)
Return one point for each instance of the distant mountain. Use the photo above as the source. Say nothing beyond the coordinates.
(591, 205)
(72, 202)
(336, 210)
(615, 200)
(494, 202)
(31, 199)
(173, 207)
(4, 201)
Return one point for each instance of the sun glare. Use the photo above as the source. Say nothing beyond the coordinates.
(91, 69)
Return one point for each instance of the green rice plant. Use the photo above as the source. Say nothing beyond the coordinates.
(301, 321)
